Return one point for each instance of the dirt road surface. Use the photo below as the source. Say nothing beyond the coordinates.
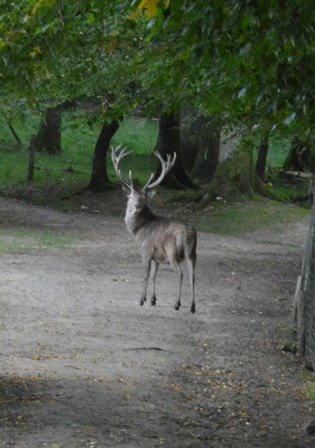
(83, 365)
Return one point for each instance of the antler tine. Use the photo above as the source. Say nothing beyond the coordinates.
(167, 165)
(117, 155)
(148, 182)
(130, 178)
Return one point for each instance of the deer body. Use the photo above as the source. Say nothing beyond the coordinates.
(161, 240)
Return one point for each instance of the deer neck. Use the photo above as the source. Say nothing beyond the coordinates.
(137, 219)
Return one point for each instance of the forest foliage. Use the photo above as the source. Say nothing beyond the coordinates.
(248, 65)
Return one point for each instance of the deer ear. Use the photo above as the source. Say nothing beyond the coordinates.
(150, 194)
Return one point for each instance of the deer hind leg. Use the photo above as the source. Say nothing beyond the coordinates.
(177, 269)
(147, 267)
(154, 269)
(191, 262)
(171, 255)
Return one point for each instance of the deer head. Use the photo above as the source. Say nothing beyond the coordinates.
(137, 197)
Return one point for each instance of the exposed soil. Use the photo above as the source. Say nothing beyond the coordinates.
(83, 365)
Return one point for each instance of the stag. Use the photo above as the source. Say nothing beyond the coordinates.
(161, 240)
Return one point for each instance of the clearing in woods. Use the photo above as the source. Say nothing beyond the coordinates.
(83, 365)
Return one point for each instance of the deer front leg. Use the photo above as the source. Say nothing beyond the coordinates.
(147, 267)
(154, 269)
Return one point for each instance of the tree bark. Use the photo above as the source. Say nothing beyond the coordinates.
(208, 151)
(190, 131)
(262, 160)
(304, 305)
(99, 178)
(299, 157)
(169, 143)
(15, 135)
(31, 159)
(48, 137)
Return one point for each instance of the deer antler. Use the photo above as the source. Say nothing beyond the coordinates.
(167, 165)
(117, 155)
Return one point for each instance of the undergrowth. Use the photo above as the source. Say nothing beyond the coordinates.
(241, 218)
(74, 164)
(222, 207)
(21, 240)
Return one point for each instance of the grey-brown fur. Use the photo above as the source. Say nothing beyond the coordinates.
(160, 240)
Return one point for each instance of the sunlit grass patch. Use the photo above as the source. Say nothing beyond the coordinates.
(137, 135)
(74, 164)
(13, 241)
(241, 218)
(308, 388)
(310, 391)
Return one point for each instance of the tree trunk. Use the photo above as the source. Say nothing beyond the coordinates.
(304, 306)
(191, 126)
(168, 143)
(48, 137)
(262, 160)
(99, 179)
(208, 151)
(31, 159)
(299, 157)
(15, 135)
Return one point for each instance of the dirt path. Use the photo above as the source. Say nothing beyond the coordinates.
(82, 365)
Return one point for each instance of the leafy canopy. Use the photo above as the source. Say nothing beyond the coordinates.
(247, 62)
(252, 61)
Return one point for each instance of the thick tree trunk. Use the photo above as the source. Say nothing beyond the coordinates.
(299, 157)
(99, 179)
(262, 160)
(191, 126)
(207, 156)
(168, 143)
(48, 137)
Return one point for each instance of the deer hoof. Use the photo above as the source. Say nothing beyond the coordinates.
(142, 301)
(177, 306)
(153, 301)
(193, 308)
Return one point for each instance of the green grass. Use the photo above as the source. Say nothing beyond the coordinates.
(310, 392)
(138, 135)
(277, 154)
(282, 191)
(242, 218)
(74, 165)
(278, 187)
(308, 388)
(12, 241)
(73, 168)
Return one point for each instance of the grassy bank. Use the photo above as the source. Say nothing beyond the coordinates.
(242, 218)
(25, 241)
(78, 142)
(72, 169)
